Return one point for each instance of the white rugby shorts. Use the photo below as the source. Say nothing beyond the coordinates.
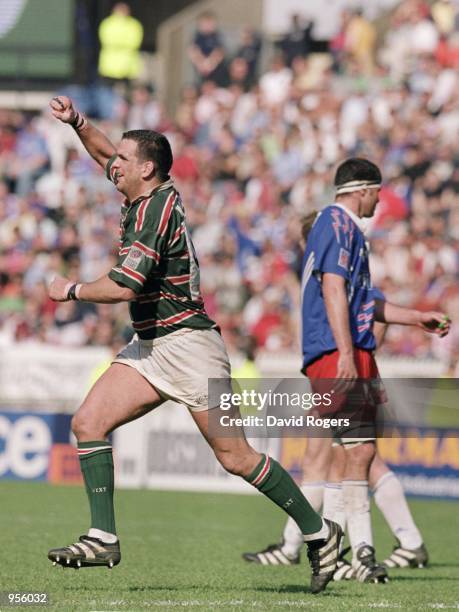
(180, 364)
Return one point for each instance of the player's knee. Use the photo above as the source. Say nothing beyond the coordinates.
(316, 468)
(76, 425)
(85, 429)
(360, 454)
(317, 459)
(337, 465)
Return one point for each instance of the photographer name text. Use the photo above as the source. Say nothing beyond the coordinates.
(308, 420)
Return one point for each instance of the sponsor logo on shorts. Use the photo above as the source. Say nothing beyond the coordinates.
(201, 400)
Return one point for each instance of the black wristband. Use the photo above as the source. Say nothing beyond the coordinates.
(78, 122)
(74, 123)
(71, 295)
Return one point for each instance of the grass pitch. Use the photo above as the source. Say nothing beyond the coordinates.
(183, 550)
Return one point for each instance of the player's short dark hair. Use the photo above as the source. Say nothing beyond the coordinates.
(306, 224)
(153, 146)
(357, 169)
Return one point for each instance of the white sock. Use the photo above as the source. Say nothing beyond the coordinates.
(292, 536)
(334, 504)
(390, 499)
(108, 538)
(357, 511)
(322, 534)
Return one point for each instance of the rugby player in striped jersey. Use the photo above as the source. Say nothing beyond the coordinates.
(175, 350)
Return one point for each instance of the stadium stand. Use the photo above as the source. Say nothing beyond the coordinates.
(250, 160)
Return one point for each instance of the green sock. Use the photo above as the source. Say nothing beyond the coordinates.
(272, 480)
(96, 461)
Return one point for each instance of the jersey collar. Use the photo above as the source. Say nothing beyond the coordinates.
(357, 220)
(166, 185)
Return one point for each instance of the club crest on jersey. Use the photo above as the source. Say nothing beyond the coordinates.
(343, 259)
(133, 258)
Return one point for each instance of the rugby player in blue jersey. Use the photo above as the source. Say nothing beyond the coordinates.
(339, 308)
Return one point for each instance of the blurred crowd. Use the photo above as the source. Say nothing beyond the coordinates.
(255, 150)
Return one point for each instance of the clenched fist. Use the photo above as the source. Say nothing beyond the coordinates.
(62, 109)
(58, 289)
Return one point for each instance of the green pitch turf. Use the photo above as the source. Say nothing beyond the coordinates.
(183, 551)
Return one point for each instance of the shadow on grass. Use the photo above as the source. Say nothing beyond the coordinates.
(422, 578)
(284, 589)
(295, 588)
(288, 588)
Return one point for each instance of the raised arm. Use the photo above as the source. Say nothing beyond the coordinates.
(336, 304)
(433, 322)
(95, 142)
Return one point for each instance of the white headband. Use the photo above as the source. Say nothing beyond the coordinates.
(356, 185)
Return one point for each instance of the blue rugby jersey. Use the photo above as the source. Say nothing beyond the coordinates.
(337, 245)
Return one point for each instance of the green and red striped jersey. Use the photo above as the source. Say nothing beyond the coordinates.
(157, 260)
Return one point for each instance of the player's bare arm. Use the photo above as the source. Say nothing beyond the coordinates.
(101, 291)
(379, 332)
(433, 322)
(96, 143)
(336, 304)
